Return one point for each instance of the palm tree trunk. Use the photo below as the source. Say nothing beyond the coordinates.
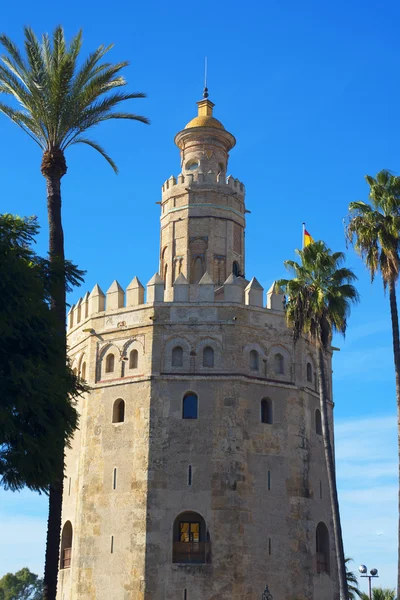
(53, 171)
(330, 467)
(396, 355)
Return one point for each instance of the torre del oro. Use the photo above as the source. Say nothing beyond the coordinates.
(198, 471)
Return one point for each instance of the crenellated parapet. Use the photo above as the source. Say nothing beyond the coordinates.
(196, 180)
(235, 290)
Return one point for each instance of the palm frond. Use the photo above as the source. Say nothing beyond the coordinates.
(320, 294)
(59, 101)
(99, 149)
(374, 231)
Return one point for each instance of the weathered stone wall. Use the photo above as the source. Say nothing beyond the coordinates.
(257, 534)
(261, 488)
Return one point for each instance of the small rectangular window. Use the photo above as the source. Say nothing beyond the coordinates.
(112, 544)
(115, 479)
(269, 480)
(190, 475)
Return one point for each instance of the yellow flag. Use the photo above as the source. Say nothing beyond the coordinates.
(307, 238)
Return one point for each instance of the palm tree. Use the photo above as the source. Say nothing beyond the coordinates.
(59, 100)
(380, 594)
(319, 299)
(375, 232)
(352, 581)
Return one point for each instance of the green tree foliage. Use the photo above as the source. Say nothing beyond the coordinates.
(352, 581)
(319, 298)
(59, 98)
(374, 229)
(37, 397)
(22, 585)
(380, 594)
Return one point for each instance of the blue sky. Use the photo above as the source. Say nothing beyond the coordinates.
(310, 90)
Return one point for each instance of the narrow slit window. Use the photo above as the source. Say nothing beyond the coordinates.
(309, 373)
(320, 490)
(185, 596)
(269, 546)
(69, 487)
(190, 475)
(269, 480)
(115, 479)
(112, 544)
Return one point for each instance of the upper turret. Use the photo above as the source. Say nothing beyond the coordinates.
(204, 143)
(202, 211)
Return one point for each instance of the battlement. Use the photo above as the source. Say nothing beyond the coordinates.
(176, 185)
(235, 290)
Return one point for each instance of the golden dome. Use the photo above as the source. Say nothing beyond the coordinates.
(205, 121)
(205, 116)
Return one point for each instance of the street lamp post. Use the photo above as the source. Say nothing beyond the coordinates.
(373, 573)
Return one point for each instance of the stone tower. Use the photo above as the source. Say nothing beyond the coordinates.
(198, 471)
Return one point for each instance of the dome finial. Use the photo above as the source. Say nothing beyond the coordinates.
(205, 91)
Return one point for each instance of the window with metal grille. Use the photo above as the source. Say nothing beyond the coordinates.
(66, 545)
(322, 548)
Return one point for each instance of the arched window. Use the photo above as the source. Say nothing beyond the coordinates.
(318, 422)
(119, 411)
(177, 356)
(254, 362)
(83, 371)
(191, 542)
(190, 406)
(322, 547)
(66, 545)
(236, 269)
(208, 357)
(110, 361)
(133, 359)
(309, 372)
(266, 411)
(279, 364)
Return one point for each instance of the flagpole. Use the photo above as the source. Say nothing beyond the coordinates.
(302, 241)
